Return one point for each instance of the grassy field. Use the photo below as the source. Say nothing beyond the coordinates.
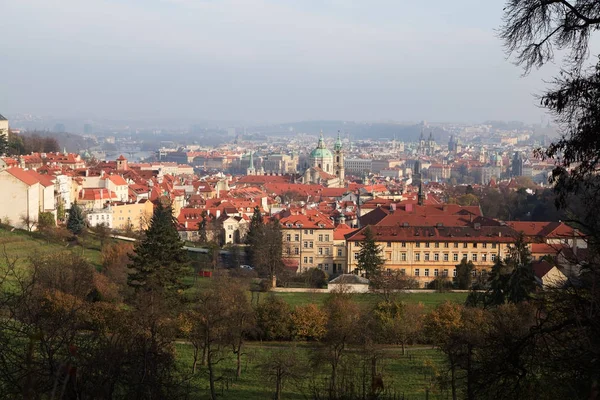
(22, 245)
(429, 300)
(405, 376)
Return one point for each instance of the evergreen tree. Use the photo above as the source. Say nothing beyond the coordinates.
(521, 283)
(254, 237)
(511, 280)
(370, 259)
(159, 260)
(257, 219)
(464, 277)
(3, 144)
(202, 229)
(76, 221)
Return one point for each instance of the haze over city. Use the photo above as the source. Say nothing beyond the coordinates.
(258, 61)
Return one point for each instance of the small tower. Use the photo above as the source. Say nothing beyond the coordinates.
(421, 149)
(122, 163)
(421, 196)
(250, 170)
(338, 159)
(430, 144)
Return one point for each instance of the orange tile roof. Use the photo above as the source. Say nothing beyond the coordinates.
(23, 176)
(117, 180)
(488, 234)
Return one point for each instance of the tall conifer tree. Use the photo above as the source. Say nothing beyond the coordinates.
(76, 221)
(370, 259)
(159, 260)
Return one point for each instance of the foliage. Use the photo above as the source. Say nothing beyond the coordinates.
(369, 258)
(159, 260)
(392, 284)
(76, 221)
(202, 228)
(468, 200)
(511, 280)
(309, 322)
(399, 323)
(281, 366)
(273, 319)
(60, 210)
(3, 144)
(440, 284)
(27, 143)
(265, 246)
(464, 277)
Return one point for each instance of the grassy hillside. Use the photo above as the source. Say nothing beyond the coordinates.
(22, 245)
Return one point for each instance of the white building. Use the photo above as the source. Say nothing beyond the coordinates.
(358, 166)
(21, 197)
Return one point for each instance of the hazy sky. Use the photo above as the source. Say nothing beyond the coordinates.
(262, 60)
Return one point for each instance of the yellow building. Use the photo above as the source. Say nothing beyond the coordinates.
(135, 216)
(308, 241)
(425, 253)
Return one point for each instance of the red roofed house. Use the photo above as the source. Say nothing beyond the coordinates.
(308, 239)
(425, 252)
(23, 196)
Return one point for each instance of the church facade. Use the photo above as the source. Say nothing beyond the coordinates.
(324, 167)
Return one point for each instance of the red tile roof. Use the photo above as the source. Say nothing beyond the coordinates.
(117, 180)
(488, 234)
(23, 176)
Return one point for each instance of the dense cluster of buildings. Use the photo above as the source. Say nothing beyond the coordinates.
(323, 200)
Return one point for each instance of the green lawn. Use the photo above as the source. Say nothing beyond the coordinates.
(22, 245)
(429, 300)
(403, 375)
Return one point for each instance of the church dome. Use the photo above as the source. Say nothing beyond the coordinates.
(321, 151)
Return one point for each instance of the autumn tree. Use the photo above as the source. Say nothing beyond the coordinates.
(266, 246)
(280, 366)
(309, 322)
(343, 316)
(391, 285)
(221, 318)
(273, 319)
(398, 322)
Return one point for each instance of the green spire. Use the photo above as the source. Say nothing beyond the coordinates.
(338, 143)
(321, 141)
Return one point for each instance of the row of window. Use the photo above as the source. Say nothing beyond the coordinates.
(321, 251)
(446, 245)
(436, 272)
(336, 267)
(436, 257)
(321, 238)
